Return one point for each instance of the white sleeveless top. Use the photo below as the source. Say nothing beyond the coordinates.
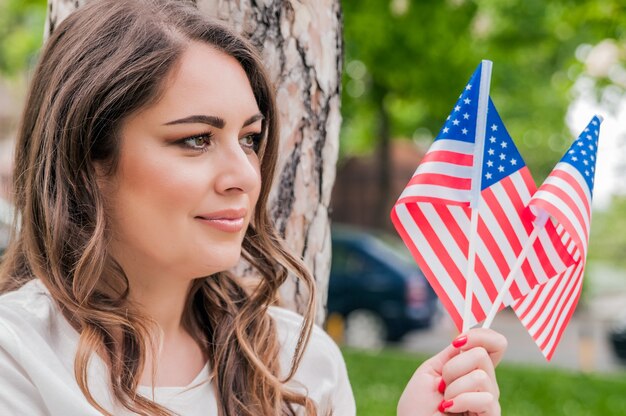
(38, 345)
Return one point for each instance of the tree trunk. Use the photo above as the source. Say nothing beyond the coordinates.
(302, 48)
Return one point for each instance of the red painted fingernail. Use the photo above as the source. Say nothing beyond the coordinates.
(445, 404)
(460, 341)
(442, 386)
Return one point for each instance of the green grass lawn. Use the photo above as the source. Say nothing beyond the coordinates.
(379, 378)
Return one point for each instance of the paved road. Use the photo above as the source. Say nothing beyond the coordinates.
(584, 346)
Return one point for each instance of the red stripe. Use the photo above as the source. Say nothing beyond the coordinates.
(448, 156)
(565, 322)
(564, 221)
(428, 273)
(493, 250)
(536, 299)
(437, 246)
(565, 297)
(439, 179)
(516, 199)
(574, 184)
(569, 201)
(414, 199)
(457, 233)
(460, 238)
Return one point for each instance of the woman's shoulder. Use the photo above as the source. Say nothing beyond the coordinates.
(322, 373)
(321, 353)
(28, 308)
(289, 324)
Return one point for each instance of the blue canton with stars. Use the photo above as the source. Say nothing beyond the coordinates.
(582, 154)
(501, 157)
(461, 123)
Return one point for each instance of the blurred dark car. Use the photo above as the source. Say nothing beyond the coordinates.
(377, 288)
(617, 336)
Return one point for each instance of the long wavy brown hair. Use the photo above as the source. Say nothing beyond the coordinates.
(104, 62)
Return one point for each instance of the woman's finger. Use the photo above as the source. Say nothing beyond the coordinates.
(482, 403)
(475, 381)
(475, 359)
(494, 343)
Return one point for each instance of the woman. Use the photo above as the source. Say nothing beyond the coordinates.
(142, 174)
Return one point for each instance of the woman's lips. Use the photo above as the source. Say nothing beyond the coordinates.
(230, 220)
(229, 225)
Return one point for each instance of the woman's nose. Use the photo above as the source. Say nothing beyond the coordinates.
(238, 170)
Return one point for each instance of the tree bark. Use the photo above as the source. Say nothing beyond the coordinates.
(301, 45)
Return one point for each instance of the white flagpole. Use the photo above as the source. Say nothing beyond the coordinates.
(479, 146)
(539, 224)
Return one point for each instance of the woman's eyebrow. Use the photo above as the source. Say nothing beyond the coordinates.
(214, 121)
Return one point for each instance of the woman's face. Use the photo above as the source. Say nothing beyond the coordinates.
(188, 176)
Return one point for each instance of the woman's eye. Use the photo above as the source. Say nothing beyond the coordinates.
(199, 142)
(251, 141)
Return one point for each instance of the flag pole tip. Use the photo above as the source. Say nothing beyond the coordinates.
(600, 118)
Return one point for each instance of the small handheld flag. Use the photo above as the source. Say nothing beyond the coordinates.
(433, 213)
(566, 195)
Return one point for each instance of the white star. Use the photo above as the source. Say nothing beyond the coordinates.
(465, 116)
(513, 162)
(467, 101)
(595, 123)
(583, 152)
(455, 122)
(590, 147)
(586, 130)
(588, 136)
(492, 139)
(468, 87)
(503, 144)
(502, 156)
(574, 158)
(586, 173)
(464, 131)
(592, 157)
(494, 127)
(571, 151)
(586, 162)
(447, 118)
(592, 168)
(445, 129)
(597, 132)
(457, 108)
(579, 143)
(491, 152)
(500, 168)
(488, 175)
(489, 163)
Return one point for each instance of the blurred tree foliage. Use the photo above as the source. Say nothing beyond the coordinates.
(407, 61)
(21, 33)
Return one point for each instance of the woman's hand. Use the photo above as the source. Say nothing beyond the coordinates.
(461, 379)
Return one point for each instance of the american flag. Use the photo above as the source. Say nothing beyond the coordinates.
(566, 196)
(432, 215)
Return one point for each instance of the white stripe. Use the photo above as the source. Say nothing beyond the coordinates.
(570, 191)
(566, 167)
(440, 273)
(545, 307)
(435, 191)
(566, 211)
(459, 257)
(553, 314)
(456, 146)
(444, 168)
(551, 253)
(551, 345)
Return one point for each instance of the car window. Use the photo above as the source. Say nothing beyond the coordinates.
(347, 260)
